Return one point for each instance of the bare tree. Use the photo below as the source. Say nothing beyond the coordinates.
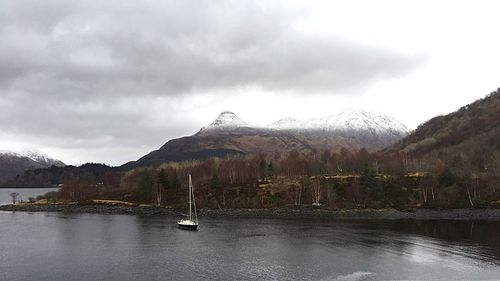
(297, 188)
(316, 184)
(14, 196)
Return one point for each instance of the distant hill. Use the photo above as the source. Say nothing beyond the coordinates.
(472, 132)
(229, 135)
(15, 163)
(45, 177)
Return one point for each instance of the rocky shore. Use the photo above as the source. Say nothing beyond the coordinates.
(286, 213)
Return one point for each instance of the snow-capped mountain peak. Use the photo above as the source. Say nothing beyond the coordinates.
(228, 119)
(359, 119)
(37, 156)
(350, 119)
(34, 155)
(16, 162)
(225, 120)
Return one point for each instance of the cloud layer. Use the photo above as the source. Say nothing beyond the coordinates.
(72, 72)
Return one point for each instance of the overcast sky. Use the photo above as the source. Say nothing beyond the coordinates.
(109, 81)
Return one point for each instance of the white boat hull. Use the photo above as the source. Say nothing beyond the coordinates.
(187, 225)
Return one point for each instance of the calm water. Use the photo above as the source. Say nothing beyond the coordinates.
(57, 246)
(24, 193)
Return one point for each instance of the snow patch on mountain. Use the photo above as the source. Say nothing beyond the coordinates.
(364, 120)
(348, 120)
(285, 124)
(36, 156)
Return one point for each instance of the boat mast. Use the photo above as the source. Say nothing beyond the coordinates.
(189, 195)
(194, 204)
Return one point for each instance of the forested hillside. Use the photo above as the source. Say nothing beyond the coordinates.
(45, 177)
(466, 139)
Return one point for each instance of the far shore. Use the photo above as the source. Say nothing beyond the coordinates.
(28, 187)
(284, 213)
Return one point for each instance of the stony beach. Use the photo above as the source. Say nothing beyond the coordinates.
(285, 213)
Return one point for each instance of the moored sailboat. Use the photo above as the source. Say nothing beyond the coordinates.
(190, 223)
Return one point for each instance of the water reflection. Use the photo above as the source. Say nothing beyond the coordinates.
(57, 246)
(458, 235)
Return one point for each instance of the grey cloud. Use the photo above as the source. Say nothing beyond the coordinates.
(119, 122)
(69, 68)
(177, 47)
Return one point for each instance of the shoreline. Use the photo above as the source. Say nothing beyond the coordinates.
(280, 213)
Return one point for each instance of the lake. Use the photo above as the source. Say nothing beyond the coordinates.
(24, 193)
(68, 246)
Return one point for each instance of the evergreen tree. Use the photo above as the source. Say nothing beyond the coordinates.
(163, 180)
(215, 183)
(175, 181)
(446, 178)
(372, 184)
(145, 187)
(270, 169)
(162, 186)
(217, 188)
(262, 168)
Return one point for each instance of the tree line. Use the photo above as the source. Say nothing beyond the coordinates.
(331, 179)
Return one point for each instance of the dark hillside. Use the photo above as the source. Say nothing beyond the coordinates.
(45, 177)
(472, 131)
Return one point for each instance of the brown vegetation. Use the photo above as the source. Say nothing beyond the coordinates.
(334, 180)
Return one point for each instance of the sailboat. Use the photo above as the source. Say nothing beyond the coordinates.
(190, 224)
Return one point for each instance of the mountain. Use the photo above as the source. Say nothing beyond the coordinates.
(229, 135)
(14, 163)
(471, 132)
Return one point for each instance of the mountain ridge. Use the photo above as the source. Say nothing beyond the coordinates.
(350, 119)
(230, 135)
